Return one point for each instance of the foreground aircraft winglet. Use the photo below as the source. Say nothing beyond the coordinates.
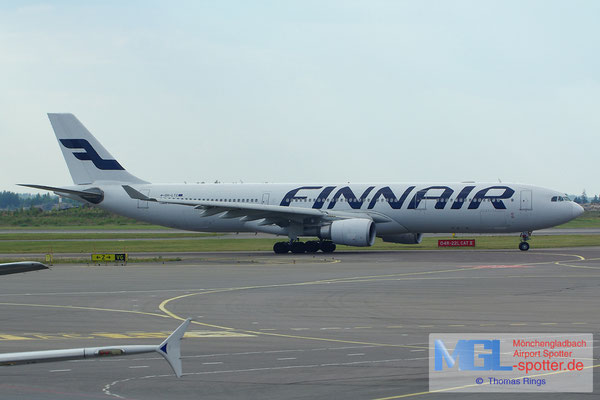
(170, 349)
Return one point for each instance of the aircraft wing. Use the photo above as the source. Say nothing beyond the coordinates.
(280, 215)
(19, 267)
(170, 349)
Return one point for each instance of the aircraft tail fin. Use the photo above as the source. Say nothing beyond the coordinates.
(87, 159)
(170, 349)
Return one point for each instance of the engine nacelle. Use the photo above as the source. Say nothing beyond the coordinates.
(351, 232)
(404, 238)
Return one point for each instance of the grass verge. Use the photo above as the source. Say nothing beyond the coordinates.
(589, 219)
(195, 245)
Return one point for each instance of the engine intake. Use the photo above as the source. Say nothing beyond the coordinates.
(351, 232)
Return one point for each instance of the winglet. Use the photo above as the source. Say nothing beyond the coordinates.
(170, 349)
(136, 195)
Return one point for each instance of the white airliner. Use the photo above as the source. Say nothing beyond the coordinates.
(348, 214)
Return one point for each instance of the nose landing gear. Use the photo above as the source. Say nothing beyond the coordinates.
(525, 236)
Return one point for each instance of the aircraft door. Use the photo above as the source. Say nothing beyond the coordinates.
(265, 198)
(142, 203)
(526, 200)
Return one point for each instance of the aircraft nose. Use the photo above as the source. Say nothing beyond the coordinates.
(577, 210)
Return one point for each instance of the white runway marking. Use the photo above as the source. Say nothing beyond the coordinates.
(280, 351)
(108, 387)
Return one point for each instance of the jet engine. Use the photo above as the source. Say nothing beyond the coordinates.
(351, 232)
(404, 238)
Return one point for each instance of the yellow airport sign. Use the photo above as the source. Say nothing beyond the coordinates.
(119, 257)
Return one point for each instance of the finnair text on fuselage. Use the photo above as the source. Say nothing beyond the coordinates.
(319, 196)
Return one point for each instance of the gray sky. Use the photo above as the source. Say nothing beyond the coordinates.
(295, 91)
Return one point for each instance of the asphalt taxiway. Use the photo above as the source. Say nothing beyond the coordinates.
(351, 325)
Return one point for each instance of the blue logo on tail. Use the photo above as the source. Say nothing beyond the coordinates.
(90, 154)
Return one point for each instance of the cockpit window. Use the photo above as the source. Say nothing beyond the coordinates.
(559, 198)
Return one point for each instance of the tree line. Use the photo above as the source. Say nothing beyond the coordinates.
(585, 199)
(17, 201)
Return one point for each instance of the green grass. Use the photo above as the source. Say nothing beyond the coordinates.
(79, 217)
(589, 219)
(195, 245)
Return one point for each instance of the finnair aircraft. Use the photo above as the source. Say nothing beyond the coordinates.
(348, 214)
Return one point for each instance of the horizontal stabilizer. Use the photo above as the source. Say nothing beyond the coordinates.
(93, 195)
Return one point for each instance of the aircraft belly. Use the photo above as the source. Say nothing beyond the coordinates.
(493, 219)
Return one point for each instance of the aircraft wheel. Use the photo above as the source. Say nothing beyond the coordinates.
(298, 247)
(281, 247)
(312, 246)
(523, 246)
(327, 246)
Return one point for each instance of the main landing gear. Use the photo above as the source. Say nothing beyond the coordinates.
(297, 247)
(525, 236)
